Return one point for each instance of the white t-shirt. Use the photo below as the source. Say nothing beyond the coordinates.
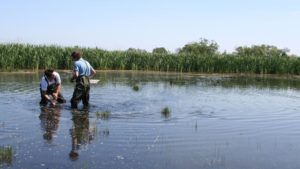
(55, 80)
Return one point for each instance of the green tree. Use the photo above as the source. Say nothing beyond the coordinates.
(160, 50)
(204, 46)
(261, 51)
(136, 50)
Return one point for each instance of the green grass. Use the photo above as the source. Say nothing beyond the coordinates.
(6, 155)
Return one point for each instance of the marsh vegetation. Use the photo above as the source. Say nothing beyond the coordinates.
(202, 56)
(6, 155)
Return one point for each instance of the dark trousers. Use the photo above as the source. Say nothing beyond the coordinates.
(81, 92)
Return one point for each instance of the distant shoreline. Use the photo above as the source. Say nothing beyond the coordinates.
(166, 73)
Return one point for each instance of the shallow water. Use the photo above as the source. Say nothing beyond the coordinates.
(214, 122)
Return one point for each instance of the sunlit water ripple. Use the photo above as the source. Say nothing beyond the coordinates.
(214, 122)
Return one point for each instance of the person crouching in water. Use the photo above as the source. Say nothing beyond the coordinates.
(82, 72)
(50, 88)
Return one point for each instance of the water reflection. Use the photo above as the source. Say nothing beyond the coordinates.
(49, 117)
(260, 82)
(213, 122)
(81, 133)
(189, 79)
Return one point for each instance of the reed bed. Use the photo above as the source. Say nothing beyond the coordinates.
(36, 57)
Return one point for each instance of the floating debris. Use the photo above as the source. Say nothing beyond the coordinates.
(119, 157)
(94, 81)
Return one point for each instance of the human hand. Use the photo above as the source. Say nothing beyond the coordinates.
(55, 96)
(52, 103)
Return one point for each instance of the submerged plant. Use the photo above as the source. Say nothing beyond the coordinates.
(166, 112)
(6, 155)
(103, 115)
(136, 88)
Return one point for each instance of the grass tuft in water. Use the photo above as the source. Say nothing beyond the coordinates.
(166, 112)
(136, 88)
(6, 155)
(105, 115)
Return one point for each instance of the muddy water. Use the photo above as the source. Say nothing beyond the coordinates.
(218, 121)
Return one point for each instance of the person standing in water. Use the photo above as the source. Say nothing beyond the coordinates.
(82, 71)
(50, 88)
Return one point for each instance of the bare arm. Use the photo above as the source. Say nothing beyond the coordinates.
(58, 88)
(44, 93)
(75, 75)
(93, 72)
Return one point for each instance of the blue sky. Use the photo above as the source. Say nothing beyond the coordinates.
(146, 24)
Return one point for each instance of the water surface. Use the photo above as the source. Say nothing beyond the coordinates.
(215, 121)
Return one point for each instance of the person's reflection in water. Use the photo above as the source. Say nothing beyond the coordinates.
(49, 121)
(81, 133)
